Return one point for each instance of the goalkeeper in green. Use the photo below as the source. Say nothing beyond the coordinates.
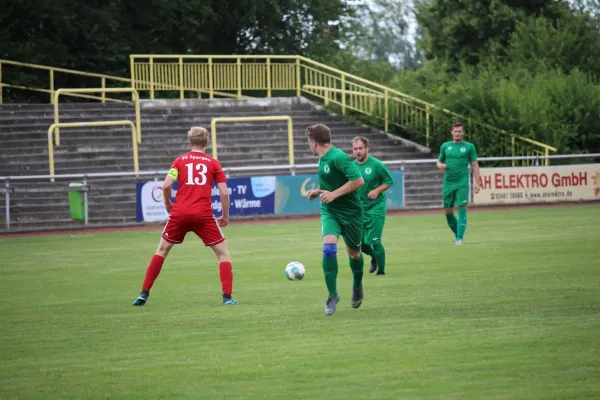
(377, 179)
(454, 160)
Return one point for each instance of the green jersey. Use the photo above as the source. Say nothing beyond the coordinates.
(335, 169)
(375, 174)
(457, 157)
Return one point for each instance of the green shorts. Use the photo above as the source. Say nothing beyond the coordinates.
(455, 194)
(352, 232)
(373, 229)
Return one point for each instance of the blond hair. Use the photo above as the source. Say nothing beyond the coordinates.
(198, 137)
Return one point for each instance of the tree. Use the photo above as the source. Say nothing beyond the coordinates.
(568, 43)
(99, 36)
(379, 32)
(470, 32)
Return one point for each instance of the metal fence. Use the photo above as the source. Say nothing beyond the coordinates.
(8, 189)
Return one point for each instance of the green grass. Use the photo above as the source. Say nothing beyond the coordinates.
(512, 314)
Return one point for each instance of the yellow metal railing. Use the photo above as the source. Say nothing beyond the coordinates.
(245, 75)
(136, 167)
(104, 80)
(213, 130)
(66, 91)
(257, 76)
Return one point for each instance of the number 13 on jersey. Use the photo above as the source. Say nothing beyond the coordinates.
(196, 174)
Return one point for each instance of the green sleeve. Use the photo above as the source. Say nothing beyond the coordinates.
(472, 154)
(442, 156)
(385, 176)
(347, 167)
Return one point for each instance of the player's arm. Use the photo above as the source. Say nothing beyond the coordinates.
(224, 195)
(475, 166)
(348, 187)
(386, 182)
(441, 162)
(168, 187)
(221, 181)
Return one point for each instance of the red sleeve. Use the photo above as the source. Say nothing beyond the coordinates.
(175, 164)
(219, 173)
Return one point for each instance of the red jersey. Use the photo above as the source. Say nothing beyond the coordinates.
(196, 173)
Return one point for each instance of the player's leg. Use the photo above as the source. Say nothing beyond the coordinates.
(375, 234)
(209, 231)
(225, 271)
(353, 236)
(367, 247)
(176, 234)
(462, 199)
(330, 230)
(448, 194)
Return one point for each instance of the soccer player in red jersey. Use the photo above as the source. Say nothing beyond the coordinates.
(195, 172)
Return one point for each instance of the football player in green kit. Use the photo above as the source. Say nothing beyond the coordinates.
(341, 212)
(454, 160)
(377, 179)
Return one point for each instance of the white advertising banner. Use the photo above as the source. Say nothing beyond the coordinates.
(538, 184)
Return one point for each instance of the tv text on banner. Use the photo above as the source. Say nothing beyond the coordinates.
(247, 196)
(539, 184)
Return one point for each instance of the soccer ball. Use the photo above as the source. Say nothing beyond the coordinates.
(295, 271)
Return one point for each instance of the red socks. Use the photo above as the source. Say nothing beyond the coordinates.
(152, 272)
(226, 277)
(156, 264)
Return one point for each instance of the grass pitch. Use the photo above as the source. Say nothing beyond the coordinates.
(512, 314)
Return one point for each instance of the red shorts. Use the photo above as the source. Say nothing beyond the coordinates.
(205, 227)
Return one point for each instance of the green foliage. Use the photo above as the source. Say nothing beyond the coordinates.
(470, 32)
(530, 68)
(549, 106)
(569, 43)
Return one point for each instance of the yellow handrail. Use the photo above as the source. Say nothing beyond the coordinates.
(136, 98)
(52, 71)
(232, 75)
(136, 167)
(213, 130)
(239, 75)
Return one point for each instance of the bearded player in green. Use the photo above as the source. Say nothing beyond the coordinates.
(377, 179)
(454, 160)
(341, 212)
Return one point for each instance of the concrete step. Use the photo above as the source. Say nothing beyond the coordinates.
(95, 207)
(422, 204)
(64, 221)
(411, 197)
(33, 129)
(35, 119)
(23, 134)
(246, 145)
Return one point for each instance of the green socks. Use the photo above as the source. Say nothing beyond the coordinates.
(452, 222)
(357, 270)
(462, 223)
(379, 252)
(330, 269)
(368, 250)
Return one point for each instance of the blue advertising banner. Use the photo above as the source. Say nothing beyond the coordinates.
(395, 194)
(248, 196)
(290, 195)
